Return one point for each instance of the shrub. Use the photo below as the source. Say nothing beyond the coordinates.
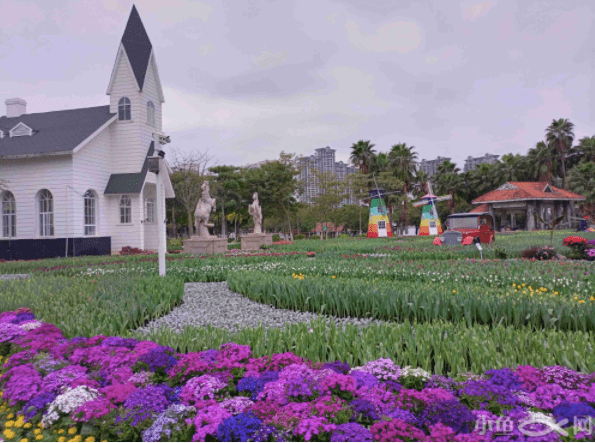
(128, 250)
(315, 237)
(276, 237)
(500, 253)
(539, 253)
(299, 237)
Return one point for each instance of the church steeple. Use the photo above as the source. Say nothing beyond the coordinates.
(138, 46)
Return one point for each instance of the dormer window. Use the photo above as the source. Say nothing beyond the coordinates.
(124, 109)
(548, 189)
(20, 130)
(150, 113)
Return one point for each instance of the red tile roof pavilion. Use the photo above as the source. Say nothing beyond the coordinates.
(523, 191)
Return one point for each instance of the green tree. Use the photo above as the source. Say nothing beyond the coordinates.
(227, 187)
(581, 179)
(362, 155)
(586, 147)
(276, 184)
(403, 161)
(358, 184)
(560, 134)
(448, 181)
(332, 192)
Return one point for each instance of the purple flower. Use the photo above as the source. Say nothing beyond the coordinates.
(504, 377)
(338, 366)
(8, 332)
(159, 358)
(268, 433)
(22, 318)
(37, 404)
(144, 403)
(363, 409)
(404, 415)
(252, 385)
(240, 427)
(450, 413)
(573, 411)
(119, 342)
(482, 394)
(364, 379)
(351, 432)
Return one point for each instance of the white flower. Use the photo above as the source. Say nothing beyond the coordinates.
(68, 402)
(31, 325)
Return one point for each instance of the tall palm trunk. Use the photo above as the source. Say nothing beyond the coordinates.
(406, 209)
(562, 149)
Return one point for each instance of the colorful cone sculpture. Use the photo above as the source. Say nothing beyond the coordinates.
(378, 224)
(430, 223)
(428, 217)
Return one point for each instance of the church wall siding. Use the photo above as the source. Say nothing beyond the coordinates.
(92, 170)
(128, 149)
(26, 177)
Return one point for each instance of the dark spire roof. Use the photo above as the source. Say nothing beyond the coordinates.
(137, 45)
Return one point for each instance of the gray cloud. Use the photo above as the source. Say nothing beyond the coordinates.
(248, 79)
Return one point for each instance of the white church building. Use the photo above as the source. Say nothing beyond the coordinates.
(77, 181)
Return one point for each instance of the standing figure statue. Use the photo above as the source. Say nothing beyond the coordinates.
(256, 213)
(204, 207)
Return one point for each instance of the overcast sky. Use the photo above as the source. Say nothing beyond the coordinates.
(247, 79)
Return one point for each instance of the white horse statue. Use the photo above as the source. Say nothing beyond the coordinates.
(204, 207)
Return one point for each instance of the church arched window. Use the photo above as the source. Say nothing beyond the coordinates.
(124, 112)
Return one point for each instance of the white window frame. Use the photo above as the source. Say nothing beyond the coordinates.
(150, 210)
(125, 209)
(124, 109)
(9, 215)
(45, 202)
(150, 113)
(90, 213)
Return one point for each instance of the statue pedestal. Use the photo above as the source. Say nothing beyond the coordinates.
(254, 241)
(205, 245)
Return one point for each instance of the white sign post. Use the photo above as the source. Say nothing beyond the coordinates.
(160, 208)
(478, 246)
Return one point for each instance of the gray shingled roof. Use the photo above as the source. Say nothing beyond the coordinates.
(55, 131)
(130, 183)
(138, 46)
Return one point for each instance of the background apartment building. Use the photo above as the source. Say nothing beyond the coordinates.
(430, 167)
(473, 162)
(323, 161)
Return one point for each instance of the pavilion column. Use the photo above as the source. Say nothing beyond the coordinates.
(530, 224)
(491, 211)
(569, 213)
(512, 220)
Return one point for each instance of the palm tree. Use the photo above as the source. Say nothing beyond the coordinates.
(403, 161)
(509, 168)
(420, 183)
(581, 179)
(541, 159)
(379, 163)
(560, 134)
(362, 155)
(449, 181)
(586, 147)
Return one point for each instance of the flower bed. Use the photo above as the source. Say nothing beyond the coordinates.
(117, 389)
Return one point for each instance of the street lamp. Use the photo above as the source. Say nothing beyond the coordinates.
(155, 164)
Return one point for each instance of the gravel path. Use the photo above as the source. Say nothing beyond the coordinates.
(214, 304)
(13, 276)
